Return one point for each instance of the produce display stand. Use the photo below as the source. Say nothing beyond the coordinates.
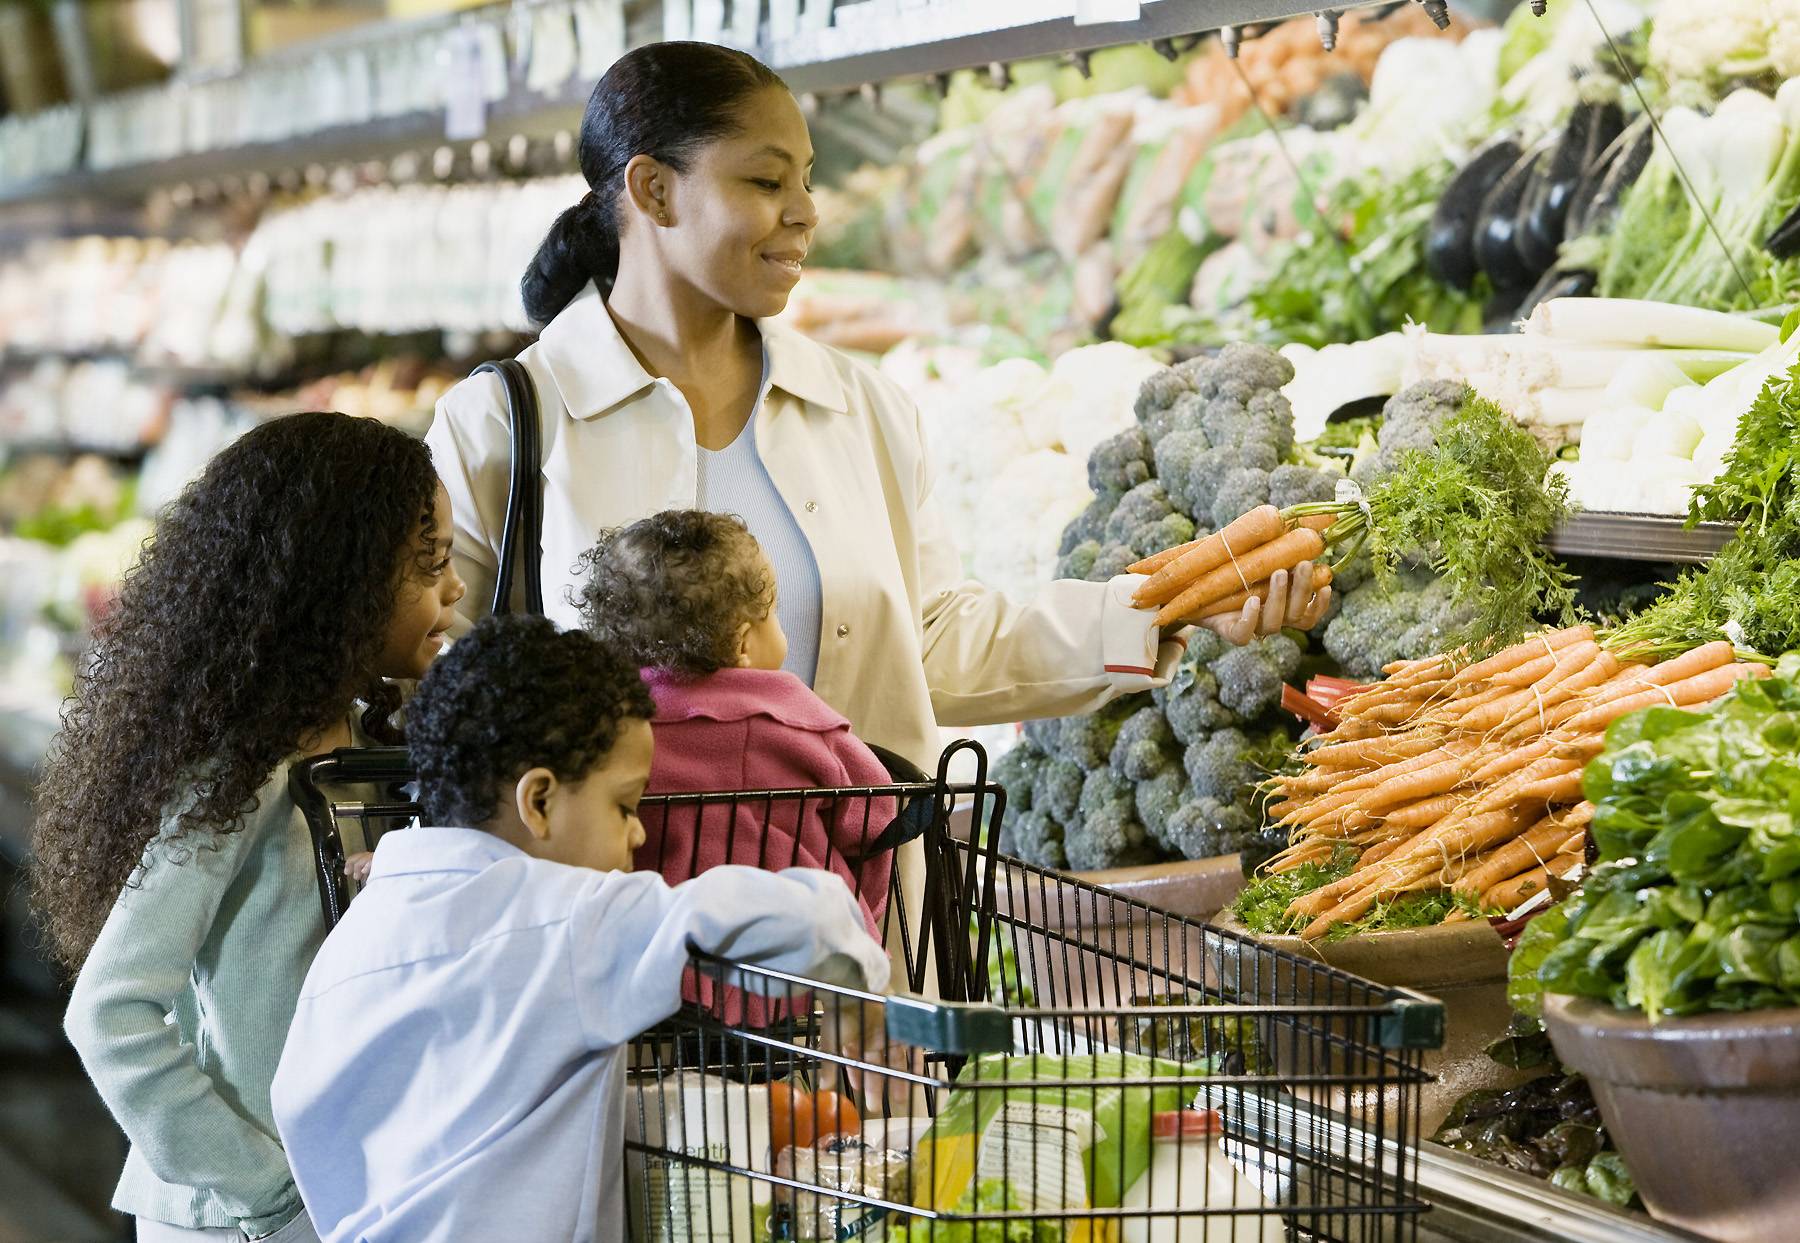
(1638, 537)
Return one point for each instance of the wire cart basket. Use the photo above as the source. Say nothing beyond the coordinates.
(1084, 1066)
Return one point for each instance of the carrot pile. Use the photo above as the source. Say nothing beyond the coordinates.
(1218, 574)
(1469, 780)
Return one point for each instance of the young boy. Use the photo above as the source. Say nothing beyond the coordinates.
(455, 1069)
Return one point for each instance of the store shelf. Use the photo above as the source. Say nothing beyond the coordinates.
(1638, 537)
(869, 42)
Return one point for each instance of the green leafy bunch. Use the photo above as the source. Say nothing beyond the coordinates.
(1474, 507)
(1750, 591)
(1695, 904)
(990, 1195)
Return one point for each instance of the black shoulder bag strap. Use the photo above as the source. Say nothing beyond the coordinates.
(522, 534)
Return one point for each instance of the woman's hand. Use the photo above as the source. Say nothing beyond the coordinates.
(1292, 603)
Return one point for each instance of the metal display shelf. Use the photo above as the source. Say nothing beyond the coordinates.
(870, 42)
(1638, 537)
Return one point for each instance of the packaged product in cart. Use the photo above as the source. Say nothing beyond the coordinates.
(1035, 1132)
(1188, 1170)
(690, 1114)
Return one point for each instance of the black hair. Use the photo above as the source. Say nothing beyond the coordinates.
(663, 100)
(671, 591)
(254, 617)
(514, 694)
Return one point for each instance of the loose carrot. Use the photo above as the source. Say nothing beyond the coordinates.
(1532, 847)
(1527, 673)
(1384, 749)
(1514, 786)
(1439, 778)
(1424, 813)
(1470, 835)
(1702, 688)
(1262, 525)
(1519, 653)
(1513, 760)
(1260, 562)
(1524, 724)
(1453, 751)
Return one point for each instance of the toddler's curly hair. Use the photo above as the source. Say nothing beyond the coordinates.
(670, 591)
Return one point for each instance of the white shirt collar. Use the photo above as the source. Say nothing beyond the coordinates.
(596, 372)
(411, 851)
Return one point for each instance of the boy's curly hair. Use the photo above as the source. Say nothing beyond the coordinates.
(252, 618)
(515, 694)
(671, 591)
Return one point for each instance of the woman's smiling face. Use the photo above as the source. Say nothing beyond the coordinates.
(742, 213)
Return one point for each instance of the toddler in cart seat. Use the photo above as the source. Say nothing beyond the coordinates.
(690, 597)
(455, 1067)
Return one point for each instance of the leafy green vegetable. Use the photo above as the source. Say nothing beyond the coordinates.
(990, 1195)
(1750, 591)
(1474, 507)
(1346, 435)
(1695, 905)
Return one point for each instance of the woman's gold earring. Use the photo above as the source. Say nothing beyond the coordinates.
(662, 217)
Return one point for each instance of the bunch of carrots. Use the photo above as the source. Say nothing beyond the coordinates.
(1468, 780)
(1218, 574)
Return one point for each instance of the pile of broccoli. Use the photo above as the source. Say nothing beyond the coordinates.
(1175, 773)
(1214, 438)
(1374, 622)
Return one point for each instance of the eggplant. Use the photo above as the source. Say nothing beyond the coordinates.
(1496, 228)
(1624, 162)
(1784, 242)
(1592, 128)
(1536, 247)
(1450, 244)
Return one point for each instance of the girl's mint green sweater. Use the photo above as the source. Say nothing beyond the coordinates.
(183, 1006)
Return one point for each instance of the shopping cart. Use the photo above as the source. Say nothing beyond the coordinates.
(1091, 1069)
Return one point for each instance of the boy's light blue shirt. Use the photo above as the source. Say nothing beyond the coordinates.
(455, 1068)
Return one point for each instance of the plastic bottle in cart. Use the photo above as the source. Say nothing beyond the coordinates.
(1188, 1170)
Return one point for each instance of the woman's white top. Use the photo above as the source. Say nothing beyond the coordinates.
(733, 480)
(906, 642)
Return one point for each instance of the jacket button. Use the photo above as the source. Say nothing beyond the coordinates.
(843, 632)
(812, 507)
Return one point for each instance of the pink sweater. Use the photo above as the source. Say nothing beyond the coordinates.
(755, 729)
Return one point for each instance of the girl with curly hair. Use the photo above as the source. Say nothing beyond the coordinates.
(306, 567)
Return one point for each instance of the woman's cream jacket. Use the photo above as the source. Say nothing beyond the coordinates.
(906, 641)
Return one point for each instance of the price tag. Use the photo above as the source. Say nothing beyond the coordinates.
(1097, 12)
(465, 96)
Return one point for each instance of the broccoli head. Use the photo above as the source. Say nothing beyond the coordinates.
(1251, 676)
(1016, 772)
(1078, 562)
(1145, 746)
(1404, 618)
(1088, 740)
(1239, 492)
(1183, 466)
(1111, 561)
(1143, 505)
(1110, 835)
(1034, 837)
(1410, 420)
(1056, 790)
(1196, 711)
(1204, 828)
(1120, 462)
(1158, 798)
(1300, 485)
(1166, 532)
(1240, 371)
(1228, 766)
(1045, 734)
(1090, 524)
(1159, 397)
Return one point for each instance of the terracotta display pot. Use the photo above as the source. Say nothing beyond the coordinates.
(1192, 888)
(1463, 965)
(1705, 1111)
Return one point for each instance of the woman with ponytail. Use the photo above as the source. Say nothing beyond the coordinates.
(665, 385)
